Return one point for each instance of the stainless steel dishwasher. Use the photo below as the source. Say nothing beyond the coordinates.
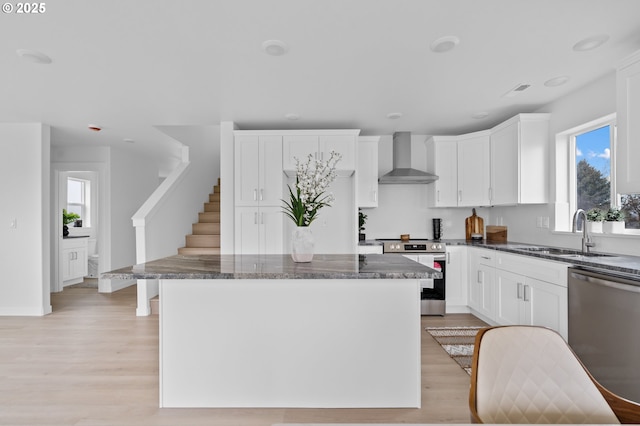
(604, 328)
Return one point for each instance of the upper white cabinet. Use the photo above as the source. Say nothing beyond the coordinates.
(474, 171)
(628, 124)
(319, 144)
(442, 161)
(520, 160)
(462, 164)
(258, 170)
(368, 171)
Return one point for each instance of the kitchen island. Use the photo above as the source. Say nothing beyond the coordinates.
(261, 331)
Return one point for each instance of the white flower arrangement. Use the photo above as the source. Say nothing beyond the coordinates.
(312, 180)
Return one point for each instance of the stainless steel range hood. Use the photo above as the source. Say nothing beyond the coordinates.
(402, 171)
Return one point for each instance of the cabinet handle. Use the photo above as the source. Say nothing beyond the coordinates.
(255, 218)
(438, 195)
(490, 194)
(480, 277)
(255, 195)
(261, 194)
(486, 257)
(448, 258)
(526, 296)
(375, 196)
(519, 291)
(460, 195)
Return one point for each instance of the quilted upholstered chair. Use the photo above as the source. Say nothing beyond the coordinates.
(523, 374)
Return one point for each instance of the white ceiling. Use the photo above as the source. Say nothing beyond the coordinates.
(131, 65)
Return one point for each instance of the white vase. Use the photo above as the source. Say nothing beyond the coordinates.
(302, 243)
(594, 227)
(613, 227)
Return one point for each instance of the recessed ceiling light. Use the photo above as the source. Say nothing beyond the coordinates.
(275, 47)
(292, 116)
(127, 140)
(394, 115)
(94, 127)
(591, 43)
(480, 115)
(444, 44)
(33, 56)
(557, 81)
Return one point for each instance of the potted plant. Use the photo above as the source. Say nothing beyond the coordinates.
(362, 219)
(614, 221)
(306, 199)
(68, 218)
(595, 216)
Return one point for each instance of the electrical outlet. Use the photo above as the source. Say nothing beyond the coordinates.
(545, 222)
(14, 224)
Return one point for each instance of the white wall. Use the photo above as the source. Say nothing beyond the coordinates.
(24, 191)
(585, 104)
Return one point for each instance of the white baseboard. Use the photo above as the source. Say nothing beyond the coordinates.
(110, 286)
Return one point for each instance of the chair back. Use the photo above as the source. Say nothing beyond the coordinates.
(524, 374)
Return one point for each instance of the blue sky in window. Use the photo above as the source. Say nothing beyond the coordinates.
(594, 146)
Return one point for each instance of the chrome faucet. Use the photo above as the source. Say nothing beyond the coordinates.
(586, 239)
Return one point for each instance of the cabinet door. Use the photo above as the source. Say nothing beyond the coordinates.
(298, 147)
(271, 230)
(247, 233)
(247, 170)
(342, 144)
(442, 161)
(79, 267)
(456, 279)
(368, 172)
(509, 296)
(67, 261)
(487, 291)
(271, 175)
(474, 173)
(628, 118)
(505, 181)
(546, 305)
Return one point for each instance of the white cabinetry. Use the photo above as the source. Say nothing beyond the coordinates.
(482, 282)
(456, 279)
(258, 186)
(319, 144)
(259, 230)
(442, 161)
(628, 125)
(462, 164)
(520, 160)
(74, 260)
(258, 170)
(474, 172)
(368, 171)
(531, 292)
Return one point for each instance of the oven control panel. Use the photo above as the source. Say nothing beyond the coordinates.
(414, 247)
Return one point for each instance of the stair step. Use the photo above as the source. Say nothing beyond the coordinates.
(203, 240)
(214, 197)
(154, 304)
(216, 189)
(209, 217)
(191, 251)
(212, 207)
(207, 228)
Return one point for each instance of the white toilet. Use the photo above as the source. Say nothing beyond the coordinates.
(93, 258)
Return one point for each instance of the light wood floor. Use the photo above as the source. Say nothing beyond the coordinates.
(93, 362)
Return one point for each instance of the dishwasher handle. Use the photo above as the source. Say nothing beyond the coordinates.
(605, 280)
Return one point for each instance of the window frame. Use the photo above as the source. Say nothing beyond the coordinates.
(85, 205)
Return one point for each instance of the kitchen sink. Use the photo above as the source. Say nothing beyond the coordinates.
(562, 252)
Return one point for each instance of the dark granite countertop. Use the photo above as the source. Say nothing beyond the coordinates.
(323, 266)
(616, 263)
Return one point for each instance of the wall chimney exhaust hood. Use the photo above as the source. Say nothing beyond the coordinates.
(402, 171)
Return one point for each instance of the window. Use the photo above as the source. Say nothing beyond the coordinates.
(592, 171)
(78, 196)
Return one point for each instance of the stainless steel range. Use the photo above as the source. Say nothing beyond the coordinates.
(429, 253)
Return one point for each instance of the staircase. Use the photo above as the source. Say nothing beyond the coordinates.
(205, 237)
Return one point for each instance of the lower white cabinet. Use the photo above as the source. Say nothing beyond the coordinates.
(456, 279)
(531, 291)
(259, 230)
(74, 260)
(482, 282)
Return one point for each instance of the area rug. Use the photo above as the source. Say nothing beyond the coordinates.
(457, 342)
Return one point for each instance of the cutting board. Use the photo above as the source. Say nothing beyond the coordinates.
(474, 224)
(496, 234)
